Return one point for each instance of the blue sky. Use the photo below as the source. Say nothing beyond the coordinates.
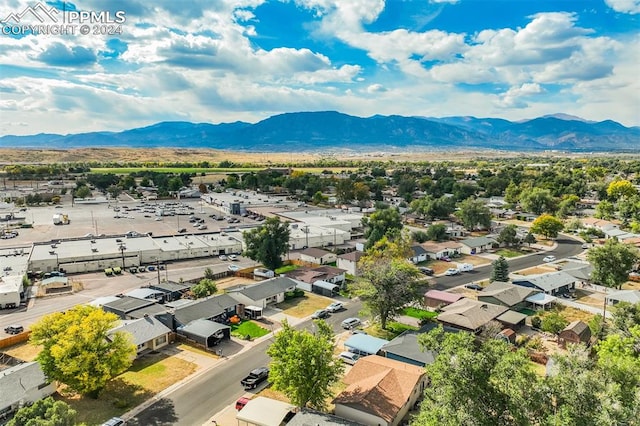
(224, 60)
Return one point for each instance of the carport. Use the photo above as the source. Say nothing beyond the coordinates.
(363, 344)
(541, 300)
(325, 288)
(205, 332)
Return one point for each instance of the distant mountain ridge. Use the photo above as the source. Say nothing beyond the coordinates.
(334, 131)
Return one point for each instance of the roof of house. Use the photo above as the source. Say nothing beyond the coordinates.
(18, 381)
(309, 275)
(418, 250)
(512, 317)
(127, 304)
(444, 296)
(266, 288)
(264, 411)
(353, 256)
(380, 386)
(204, 309)
(631, 296)
(432, 247)
(470, 314)
(142, 330)
(406, 346)
(580, 328)
(507, 293)
(309, 417)
(170, 286)
(144, 293)
(151, 310)
(549, 281)
(203, 327)
(315, 252)
(365, 343)
(579, 270)
(478, 241)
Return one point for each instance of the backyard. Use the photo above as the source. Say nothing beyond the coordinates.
(248, 328)
(418, 313)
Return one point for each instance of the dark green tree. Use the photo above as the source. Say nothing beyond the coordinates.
(509, 236)
(45, 412)
(205, 287)
(268, 243)
(381, 223)
(437, 232)
(473, 214)
(612, 262)
(530, 239)
(500, 271)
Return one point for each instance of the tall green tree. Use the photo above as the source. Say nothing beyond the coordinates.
(78, 351)
(509, 236)
(387, 281)
(205, 287)
(621, 188)
(473, 214)
(547, 225)
(538, 201)
(268, 243)
(500, 270)
(530, 239)
(437, 232)
(478, 385)
(612, 262)
(303, 366)
(45, 412)
(383, 222)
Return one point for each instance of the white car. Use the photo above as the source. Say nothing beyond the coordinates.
(452, 271)
(233, 268)
(335, 307)
(549, 258)
(233, 257)
(222, 257)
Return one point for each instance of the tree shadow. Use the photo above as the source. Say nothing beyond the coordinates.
(159, 414)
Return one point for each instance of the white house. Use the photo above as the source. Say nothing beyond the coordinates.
(264, 293)
(349, 262)
(23, 384)
(317, 255)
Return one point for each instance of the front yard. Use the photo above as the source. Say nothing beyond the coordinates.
(510, 252)
(394, 329)
(248, 328)
(304, 306)
(420, 314)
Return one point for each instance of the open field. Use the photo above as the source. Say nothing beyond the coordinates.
(301, 307)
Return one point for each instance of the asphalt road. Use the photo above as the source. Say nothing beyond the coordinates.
(199, 399)
(567, 247)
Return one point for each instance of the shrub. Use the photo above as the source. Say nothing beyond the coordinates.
(536, 322)
(293, 294)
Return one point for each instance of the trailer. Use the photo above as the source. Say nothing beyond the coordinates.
(61, 219)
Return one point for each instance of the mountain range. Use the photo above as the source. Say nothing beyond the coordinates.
(331, 131)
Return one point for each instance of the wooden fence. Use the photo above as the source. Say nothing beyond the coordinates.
(15, 339)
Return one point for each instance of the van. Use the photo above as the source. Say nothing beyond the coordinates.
(108, 272)
(348, 357)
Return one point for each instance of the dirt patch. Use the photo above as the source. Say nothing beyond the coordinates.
(233, 281)
(631, 285)
(573, 314)
(304, 306)
(536, 270)
(23, 351)
(474, 260)
(439, 266)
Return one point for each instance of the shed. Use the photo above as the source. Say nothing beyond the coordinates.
(363, 344)
(576, 332)
(206, 332)
(261, 411)
(325, 288)
(512, 319)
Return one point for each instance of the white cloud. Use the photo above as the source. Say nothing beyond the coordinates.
(515, 96)
(624, 6)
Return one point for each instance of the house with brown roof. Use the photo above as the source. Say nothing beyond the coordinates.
(470, 315)
(349, 262)
(380, 391)
(576, 332)
(321, 273)
(317, 255)
(439, 298)
(506, 294)
(440, 250)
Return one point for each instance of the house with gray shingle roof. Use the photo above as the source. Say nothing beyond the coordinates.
(470, 315)
(23, 384)
(264, 293)
(630, 296)
(148, 334)
(506, 294)
(552, 283)
(477, 245)
(219, 307)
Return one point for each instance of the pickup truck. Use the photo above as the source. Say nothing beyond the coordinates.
(255, 377)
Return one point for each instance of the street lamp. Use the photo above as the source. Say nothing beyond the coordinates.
(122, 248)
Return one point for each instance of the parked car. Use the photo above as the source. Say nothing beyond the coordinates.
(474, 286)
(255, 377)
(350, 323)
(233, 268)
(452, 271)
(222, 257)
(114, 421)
(425, 270)
(585, 246)
(233, 257)
(14, 329)
(241, 402)
(549, 258)
(320, 313)
(348, 357)
(335, 307)
(446, 258)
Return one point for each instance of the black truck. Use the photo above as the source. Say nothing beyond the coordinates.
(255, 377)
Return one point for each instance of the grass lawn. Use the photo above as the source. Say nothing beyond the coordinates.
(509, 252)
(145, 378)
(393, 330)
(527, 311)
(286, 268)
(418, 313)
(304, 306)
(249, 328)
(570, 314)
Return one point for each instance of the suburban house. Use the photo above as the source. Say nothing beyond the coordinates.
(23, 383)
(405, 347)
(418, 254)
(506, 294)
(148, 334)
(477, 245)
(581, 271)
(264, 293)
(438, 298)
(363, 344)
(440, 250)
(553, 283)
(380, 391)
(172, 290)
(599, 224)
(321, 273)
(215, 308)
(317, 255)
(576, 332)
(147, 294)
(309, 417)
(470, 315)
(630, 296)
(123, 306)
(349, 262)
(262, 411)
(205, 332)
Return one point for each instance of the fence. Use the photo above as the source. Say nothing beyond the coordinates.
(14, 340)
